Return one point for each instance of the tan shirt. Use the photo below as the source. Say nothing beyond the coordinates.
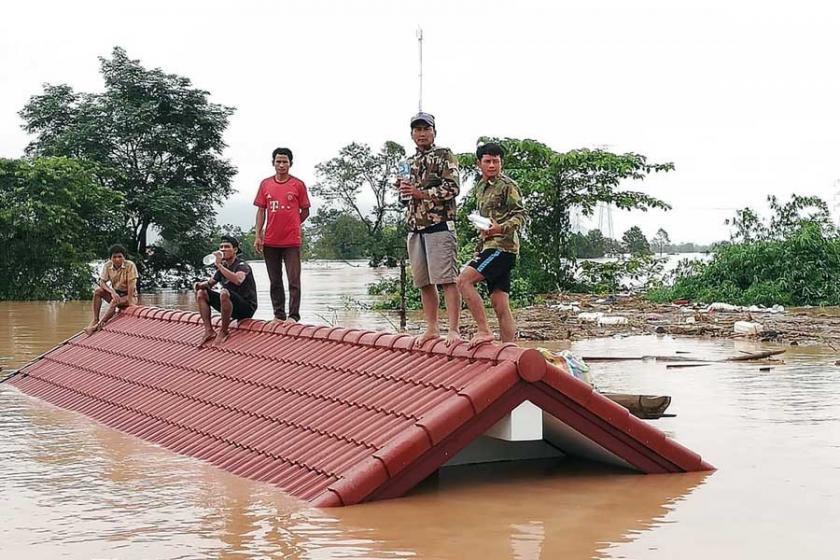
(120, 278)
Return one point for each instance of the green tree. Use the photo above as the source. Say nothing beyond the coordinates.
(357, 179)
(661, 240)
(792, 259)
(336, 234)
(54, 220)
(785, 219)
(552, 182)
(590, 245)
(154, 138)
(635, 242)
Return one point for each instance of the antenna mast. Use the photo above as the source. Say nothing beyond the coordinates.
(420, 50)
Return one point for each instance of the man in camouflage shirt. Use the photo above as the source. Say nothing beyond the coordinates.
(498, 198)
(429, 196)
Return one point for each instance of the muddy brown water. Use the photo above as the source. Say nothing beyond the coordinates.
(72, 488)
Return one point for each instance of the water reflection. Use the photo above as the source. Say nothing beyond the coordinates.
(538, 509)
(71, 488)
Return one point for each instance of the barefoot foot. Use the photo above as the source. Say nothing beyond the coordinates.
(480, 338)
(221, 337)
(424, 338)
(208, 336)
(453, 337)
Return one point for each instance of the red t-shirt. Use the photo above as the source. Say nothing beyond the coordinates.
(282, 203)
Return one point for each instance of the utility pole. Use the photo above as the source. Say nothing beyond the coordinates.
(420, 51)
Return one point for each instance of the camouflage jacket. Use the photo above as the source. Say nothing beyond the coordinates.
(434, 171)
(501, 200)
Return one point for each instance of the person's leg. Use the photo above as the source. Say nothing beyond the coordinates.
(203, 300)
(226, 311)
(428, 292)
(109, 314)
(442, 261)
(274, 266)
(452, 298)
(430, 301)
(99, 294)
(501, 305)
(291, 256)
(467, 280)
(241, 308)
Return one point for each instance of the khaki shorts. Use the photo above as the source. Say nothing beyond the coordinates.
(433, 258)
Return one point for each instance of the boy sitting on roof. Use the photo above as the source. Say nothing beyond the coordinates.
(238, 297)
(121, 274)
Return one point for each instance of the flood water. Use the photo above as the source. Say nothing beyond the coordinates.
(72, 488)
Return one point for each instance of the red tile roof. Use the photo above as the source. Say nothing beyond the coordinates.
(330, 415)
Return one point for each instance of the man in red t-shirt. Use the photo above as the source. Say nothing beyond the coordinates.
(282, 206)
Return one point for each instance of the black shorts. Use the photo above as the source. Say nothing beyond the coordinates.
(495, 266)
(241, 308)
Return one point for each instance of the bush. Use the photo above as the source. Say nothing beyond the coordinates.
(801, 269)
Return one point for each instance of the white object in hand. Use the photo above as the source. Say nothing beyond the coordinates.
(479, 221)
(209, 259)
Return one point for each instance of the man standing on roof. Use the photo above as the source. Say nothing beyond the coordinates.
(238, 297)
(282, 206)
(430, 215)
(117, 284)
(498, 198)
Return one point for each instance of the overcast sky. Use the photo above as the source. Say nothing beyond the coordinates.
(743, 97)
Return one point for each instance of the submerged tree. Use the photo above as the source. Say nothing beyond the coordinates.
(661, 240)
(155, 139)
(360, 183)
(635, 242)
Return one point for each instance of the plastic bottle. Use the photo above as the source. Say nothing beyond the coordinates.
(209, 258)
(404, 174)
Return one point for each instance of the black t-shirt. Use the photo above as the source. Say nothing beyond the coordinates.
(247, 290)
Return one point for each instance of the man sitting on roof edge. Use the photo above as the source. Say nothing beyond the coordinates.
(238, 297)
(117, 285)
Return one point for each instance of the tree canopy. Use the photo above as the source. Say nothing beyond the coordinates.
(154, 139)
(359, 183)
(55, 218)
(791, 259)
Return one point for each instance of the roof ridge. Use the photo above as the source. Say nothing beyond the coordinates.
(493, 352)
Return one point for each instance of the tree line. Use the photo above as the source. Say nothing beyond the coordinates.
(141, 163)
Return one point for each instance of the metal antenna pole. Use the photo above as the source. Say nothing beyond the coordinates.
(420, 49)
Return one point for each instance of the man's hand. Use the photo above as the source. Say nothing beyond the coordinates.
(218, 255)
(494, 229)
(408, 189)
(122, 300)
(258, 244)
(199, 286)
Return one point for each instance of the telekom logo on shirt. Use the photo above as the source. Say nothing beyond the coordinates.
(273, 205)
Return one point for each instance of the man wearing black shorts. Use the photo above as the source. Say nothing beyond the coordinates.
(238, 297)
(498, 198)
